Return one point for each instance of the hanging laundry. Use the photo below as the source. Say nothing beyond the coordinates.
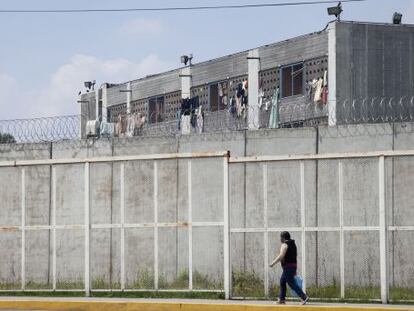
(310, 89)
(186, 124)
(140, 121)
(220, 90)
(318, 91)
(232, 106)
(239, 99)
(268, 103)
(107, 129)
(200, 119)
(245, 92)
(325, 88)
(245, 85)
(121, 126)
(261, 98)
(118, 126)
(274, 113)
(224, 100)
(178, 118)
(130, 125)
(185, 106)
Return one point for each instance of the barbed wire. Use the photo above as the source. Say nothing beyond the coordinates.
(47, 129)
(354, 116)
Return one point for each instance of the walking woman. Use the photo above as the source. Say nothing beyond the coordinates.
(288, 258)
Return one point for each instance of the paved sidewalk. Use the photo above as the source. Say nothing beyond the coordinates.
(121, 304)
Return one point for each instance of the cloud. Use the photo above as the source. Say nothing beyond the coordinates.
(59, 95)
(140, 27)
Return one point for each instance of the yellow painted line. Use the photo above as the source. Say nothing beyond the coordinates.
(173, 306)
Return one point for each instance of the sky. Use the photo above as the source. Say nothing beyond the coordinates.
(45, 58)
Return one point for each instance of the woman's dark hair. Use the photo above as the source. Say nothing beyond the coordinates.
(285, 235)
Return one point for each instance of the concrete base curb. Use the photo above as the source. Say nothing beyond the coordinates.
(107, 305)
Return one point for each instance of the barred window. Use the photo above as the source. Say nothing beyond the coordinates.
(292, 80)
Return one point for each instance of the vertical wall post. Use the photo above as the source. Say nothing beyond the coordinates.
(383, 231)
(128, 86)
(97, 116)
(226, 240)
(332, 118)
(156, 224)
(104, 103)
(185, 76)
(253, 62)
(87, 232)
(341, 228)
(303, 221)
(23, 228)
(190, 226)
(266, 233)
(54, 228)
(122, 190)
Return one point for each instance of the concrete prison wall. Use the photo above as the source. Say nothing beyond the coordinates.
(263, 198)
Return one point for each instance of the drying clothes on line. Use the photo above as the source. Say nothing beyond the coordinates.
(232, 106)
(178, 118)
(188, 109)
(317, 86)
(224, 100)
(267, 104)
(241, 99)
(200, 119)
(245, 92)
(325, 95)
(121, 126)
(274, 117)
(139, 123)
(185, 124)
(130, 126)
(325, 88)
(185, 107)
(220, 90)
(245, 85)
(239, 106)
(107, 129)
(261, 98)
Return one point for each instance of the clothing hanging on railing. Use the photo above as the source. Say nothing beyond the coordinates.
(178, 118)
(274, 116)
(107, 129)
(223, 94)
(194, 102)
(139, 123)
(261, 98)
(130, 126)
(121, 126)
(185, 124)
(317, 85)
(200, 119)
(325, 88)
(232, 106)
(241, 99)
(187, 117)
